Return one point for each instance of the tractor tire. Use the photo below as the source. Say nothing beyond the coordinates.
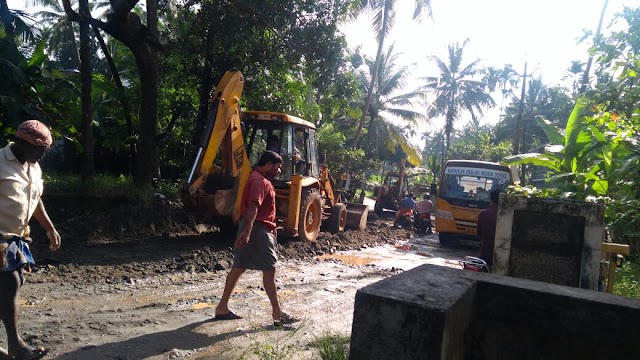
(310, 215)
(338, 219)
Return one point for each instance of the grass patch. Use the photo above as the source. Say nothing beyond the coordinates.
(332, 347)
(107, 185)
(627, 281)
(275, 345)
(274, 352)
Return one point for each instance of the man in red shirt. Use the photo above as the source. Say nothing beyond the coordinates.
(255, 245)
(487, 228)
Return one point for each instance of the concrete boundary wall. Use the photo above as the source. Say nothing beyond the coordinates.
(563, 252)
(433, 312)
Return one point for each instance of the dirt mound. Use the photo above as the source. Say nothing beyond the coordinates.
(135, 240)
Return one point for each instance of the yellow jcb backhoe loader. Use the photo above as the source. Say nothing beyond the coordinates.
(306, 197)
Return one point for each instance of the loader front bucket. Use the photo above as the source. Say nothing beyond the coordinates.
(357, 216)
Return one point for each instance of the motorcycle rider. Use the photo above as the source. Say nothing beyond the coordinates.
(423, 210)
(407, 205)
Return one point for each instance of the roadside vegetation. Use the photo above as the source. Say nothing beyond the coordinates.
(628, 278)
(332, 347)
(109, 186)
(290, 344)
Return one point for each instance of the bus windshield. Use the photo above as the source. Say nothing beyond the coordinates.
(471, 183)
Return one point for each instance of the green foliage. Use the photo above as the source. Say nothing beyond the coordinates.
(478, 143)
(581, 163)
(341, 158)
(332, 347)
(274, 352)
(617, 57)
(628, 278)
(108, 186)
(32, 88)
(394, 111)
(531, 191)
(553, 104)
(281, 345)
(624, 219)
(458, 89)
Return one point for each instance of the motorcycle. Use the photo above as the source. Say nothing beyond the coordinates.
(423, 224)
(476, 264)
(404, 219)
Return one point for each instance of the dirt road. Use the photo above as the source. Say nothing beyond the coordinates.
(107, 297)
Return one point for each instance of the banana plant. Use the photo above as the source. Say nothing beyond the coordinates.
(580, 162)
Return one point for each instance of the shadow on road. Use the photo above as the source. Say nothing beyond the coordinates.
(155, 344)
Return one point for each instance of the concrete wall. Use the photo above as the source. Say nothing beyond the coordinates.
(434, 312)
(549, 240)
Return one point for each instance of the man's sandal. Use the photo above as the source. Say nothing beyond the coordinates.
(285, 321)
(28, 354)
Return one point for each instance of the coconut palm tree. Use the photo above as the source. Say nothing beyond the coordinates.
(457, 89)
(433, 145)
(573, 73)
(553, 104)
(383, 17)
(60, 31)
(17, 23)
(505, 80)
(393, 112)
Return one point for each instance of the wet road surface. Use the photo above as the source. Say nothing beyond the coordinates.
(170, 316)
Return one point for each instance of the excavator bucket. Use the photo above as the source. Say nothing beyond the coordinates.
(357, 216)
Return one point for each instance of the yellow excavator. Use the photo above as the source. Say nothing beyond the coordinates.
(306, 195)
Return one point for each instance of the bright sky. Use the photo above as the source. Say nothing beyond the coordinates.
(542, 32)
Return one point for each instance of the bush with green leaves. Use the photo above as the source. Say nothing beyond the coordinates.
(628, 278)
(106, 185)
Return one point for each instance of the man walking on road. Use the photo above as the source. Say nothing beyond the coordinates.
(20, 191)
(487, 228)
(255, 245)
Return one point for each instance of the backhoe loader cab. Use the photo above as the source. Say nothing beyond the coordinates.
(293, 138)
(306, 197)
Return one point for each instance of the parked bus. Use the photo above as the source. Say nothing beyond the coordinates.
(463, 192)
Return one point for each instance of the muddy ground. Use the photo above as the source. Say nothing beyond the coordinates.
(139, 281)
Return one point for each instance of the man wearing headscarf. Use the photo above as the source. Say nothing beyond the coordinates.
(20, 190)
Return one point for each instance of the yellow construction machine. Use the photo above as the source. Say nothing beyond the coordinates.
(306, 195)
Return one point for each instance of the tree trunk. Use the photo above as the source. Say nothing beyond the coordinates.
(123, 98)
(152, 127)
(147, 166)
(585, 77)
(74, 45)
(518, 131)
(88, 170)
(126, 27)
(448, 128)
(401, 167)
(204, 92)
(374, 75)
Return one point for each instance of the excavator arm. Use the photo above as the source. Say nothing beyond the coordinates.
(222, 151)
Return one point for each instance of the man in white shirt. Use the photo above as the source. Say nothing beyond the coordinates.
(20, 190)
(424, 208)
